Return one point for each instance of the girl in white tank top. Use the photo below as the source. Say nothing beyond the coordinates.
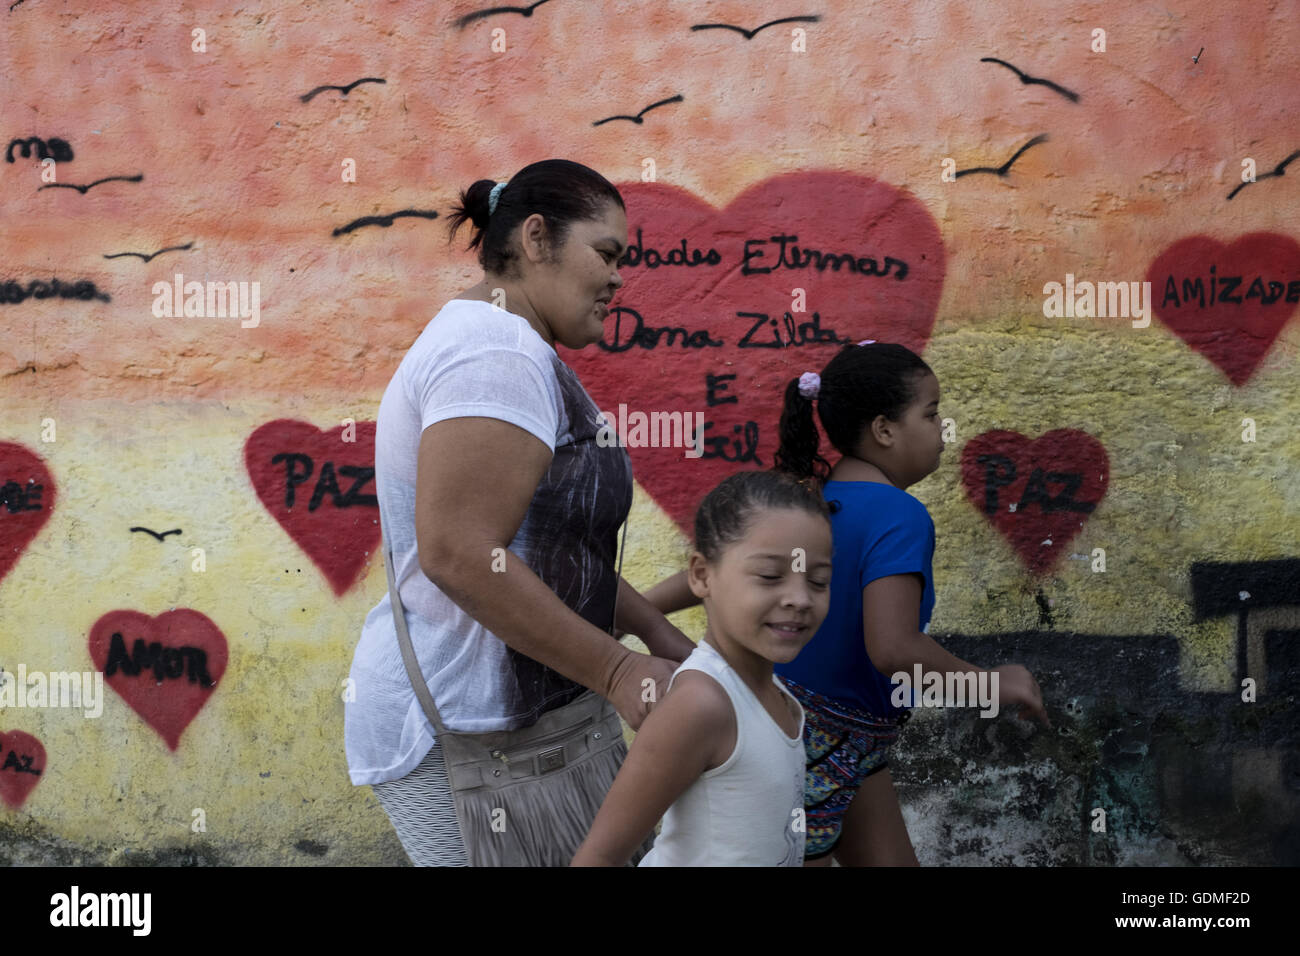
(721, 757)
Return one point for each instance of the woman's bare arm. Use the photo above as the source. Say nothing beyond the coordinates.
(475, 480)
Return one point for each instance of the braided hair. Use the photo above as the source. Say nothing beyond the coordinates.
(727, 512)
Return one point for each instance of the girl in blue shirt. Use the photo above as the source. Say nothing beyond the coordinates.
(879, 404)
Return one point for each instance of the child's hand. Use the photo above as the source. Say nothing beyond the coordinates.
(1017, 688)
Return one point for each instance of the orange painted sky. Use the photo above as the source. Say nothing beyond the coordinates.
(235, 163)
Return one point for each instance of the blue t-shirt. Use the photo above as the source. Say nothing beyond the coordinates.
(878, 530)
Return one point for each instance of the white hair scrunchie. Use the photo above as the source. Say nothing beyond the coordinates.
(810, 383)
(494, 196)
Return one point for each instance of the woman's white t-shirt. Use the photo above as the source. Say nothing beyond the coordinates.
(476, 360)
(748, 810)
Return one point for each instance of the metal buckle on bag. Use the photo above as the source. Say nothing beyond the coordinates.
(549, 760)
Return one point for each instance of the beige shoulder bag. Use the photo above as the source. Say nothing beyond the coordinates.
(525, 797)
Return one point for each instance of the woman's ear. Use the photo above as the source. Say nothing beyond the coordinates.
(533, 238)
(697, 575)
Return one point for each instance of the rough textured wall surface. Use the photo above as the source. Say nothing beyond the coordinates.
(867, 159)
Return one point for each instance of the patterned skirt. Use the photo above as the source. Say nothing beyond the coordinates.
(844, 746)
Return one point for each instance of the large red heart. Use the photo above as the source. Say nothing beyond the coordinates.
(1229, 302)
(22, 761)
(164, 667)
(27, 496)
(1037, 492)
(715, 274)
(321, 490)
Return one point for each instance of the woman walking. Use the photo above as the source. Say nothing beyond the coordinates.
(502, 511)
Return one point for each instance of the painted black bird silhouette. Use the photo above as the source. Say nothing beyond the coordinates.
(345, 90)
(1278, 170)
(160, 537)
(384, 221)
(493, 11)
(637, 119)
(749, 34)
(1027, 79)
(1005, 168)
(107, 179)
(150, 256)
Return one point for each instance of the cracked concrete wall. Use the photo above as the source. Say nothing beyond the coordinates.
(131, 403)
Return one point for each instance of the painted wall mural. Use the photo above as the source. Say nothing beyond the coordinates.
(1036, 493)
(707, 297)
(1231, 330)
(337, 525)
(224, 228)
(164, 667)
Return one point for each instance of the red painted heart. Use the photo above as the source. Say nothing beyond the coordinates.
(708, 319)
(27, 497)
(22, 762)
(164, 667)
(1229, 302)
(320, 487)
(1037, 492)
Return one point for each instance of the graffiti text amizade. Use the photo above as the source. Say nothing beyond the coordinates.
(1227, 288)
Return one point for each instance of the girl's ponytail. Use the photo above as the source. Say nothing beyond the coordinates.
(797, 454)
(858, 384)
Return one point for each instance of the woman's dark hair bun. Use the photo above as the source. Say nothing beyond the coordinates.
(475, 203)
(561, 191)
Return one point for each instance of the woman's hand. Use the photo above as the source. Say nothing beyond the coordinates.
(640, 681)
(1017, 688)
